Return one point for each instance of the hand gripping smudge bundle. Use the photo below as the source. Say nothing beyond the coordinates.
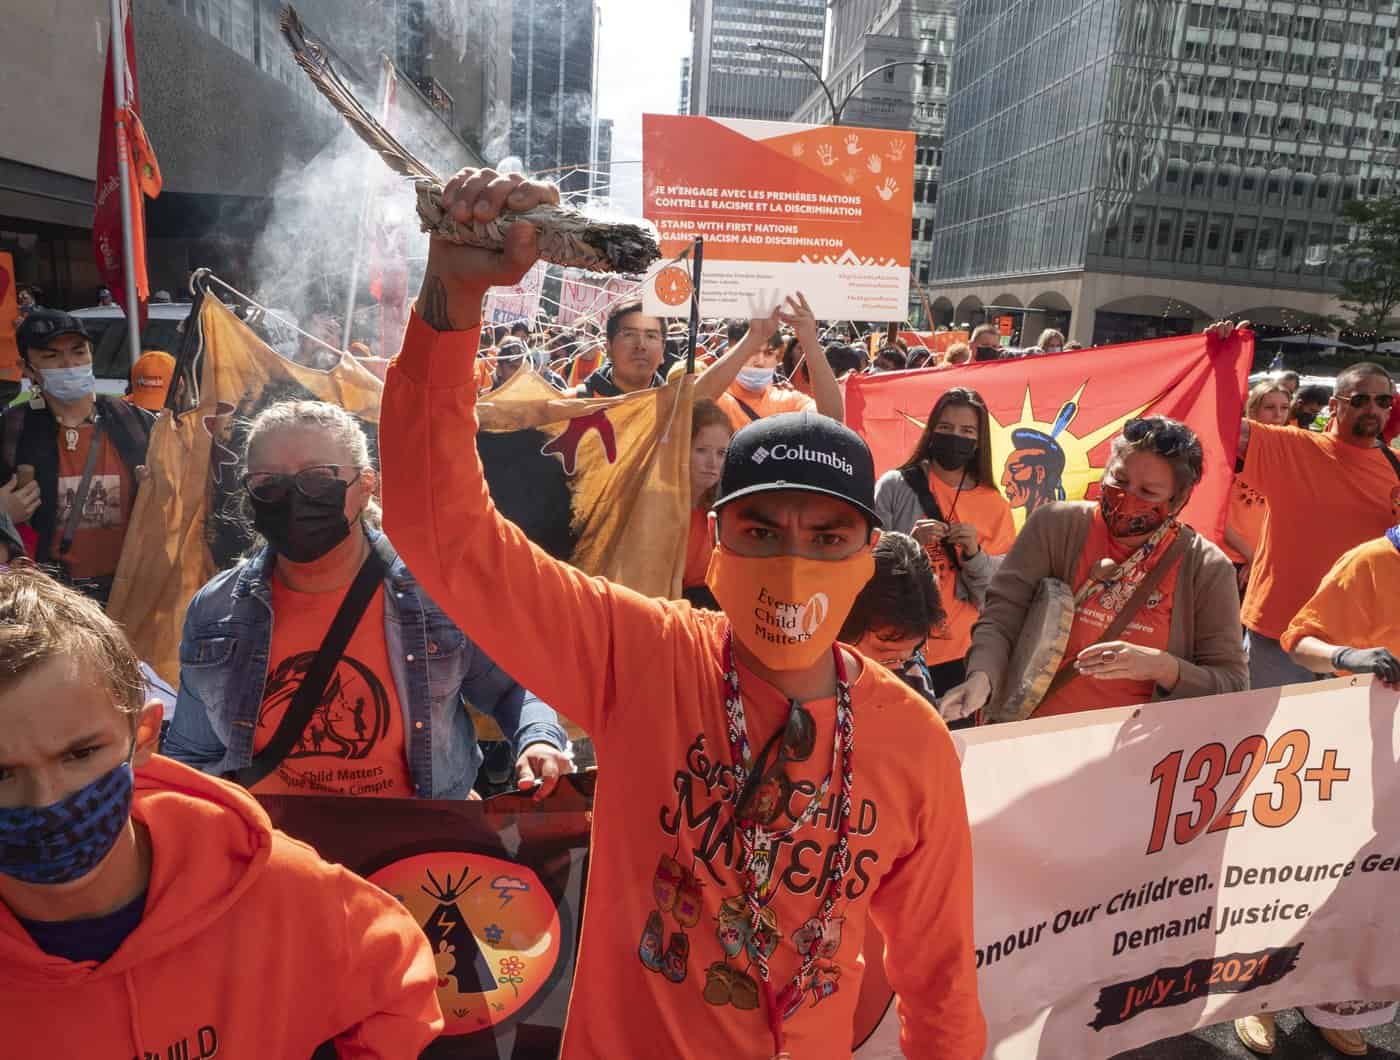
(566, 237)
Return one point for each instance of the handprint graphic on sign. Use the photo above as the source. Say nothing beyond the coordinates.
(798, 150)
(853, 144)
(850, 176)
(887, 189)
(896, 152)
(826, 155)
(874, 164)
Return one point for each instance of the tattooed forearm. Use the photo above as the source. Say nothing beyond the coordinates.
(432, 304)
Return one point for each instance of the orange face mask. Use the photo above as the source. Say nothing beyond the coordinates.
(787, 610)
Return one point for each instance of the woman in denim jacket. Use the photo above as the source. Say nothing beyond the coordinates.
(392, 720)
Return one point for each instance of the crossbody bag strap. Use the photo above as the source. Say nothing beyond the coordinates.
(318, 675)
(749, 410)
(1391, 458)
(917, 480)
(1131, 608)
(75, 514)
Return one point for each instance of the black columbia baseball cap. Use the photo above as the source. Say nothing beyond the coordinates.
(42, 326)
(802, 451)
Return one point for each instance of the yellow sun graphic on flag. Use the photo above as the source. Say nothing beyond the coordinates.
(1036, 461)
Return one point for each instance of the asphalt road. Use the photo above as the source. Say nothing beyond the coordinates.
(1297, 1040)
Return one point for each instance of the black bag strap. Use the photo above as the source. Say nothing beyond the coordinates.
(748, 409)
(75, 513)
(11, 427)
(303, 705)
(1390, 457)
(917, 480)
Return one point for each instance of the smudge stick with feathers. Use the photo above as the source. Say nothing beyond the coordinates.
(567, 237)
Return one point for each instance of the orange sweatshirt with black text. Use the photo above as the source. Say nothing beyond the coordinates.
(250, 945)
(666, 966)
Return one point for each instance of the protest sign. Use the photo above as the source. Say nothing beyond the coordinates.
(9, 313)
(781, 208)
(588, 298)
(1141, 872)
(506, 305)
(1054, 416)
(496, 886)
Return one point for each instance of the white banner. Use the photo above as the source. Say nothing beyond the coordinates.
(506, 305)
(585, 297)
(1144, 872)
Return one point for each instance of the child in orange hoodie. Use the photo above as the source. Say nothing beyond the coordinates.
(762, 793)
(149, 910)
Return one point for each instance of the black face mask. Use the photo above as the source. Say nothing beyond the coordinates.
(1305, 419)
(986, 353)
(952, 452)
(300, 528)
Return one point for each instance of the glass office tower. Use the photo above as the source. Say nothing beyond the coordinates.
(1145, 165)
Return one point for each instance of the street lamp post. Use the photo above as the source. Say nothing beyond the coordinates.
(837, 111)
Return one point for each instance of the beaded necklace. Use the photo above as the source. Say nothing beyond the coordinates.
(757, 843)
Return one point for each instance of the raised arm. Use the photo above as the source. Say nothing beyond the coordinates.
(547, 624)
(716, 379)
(826, 391)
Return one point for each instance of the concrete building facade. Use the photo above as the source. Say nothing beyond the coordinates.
(1129, 168)
(229, 115)
(866, 35)
(729, 78)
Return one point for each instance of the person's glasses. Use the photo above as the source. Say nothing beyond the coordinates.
(1360, 401)
(1166, 439)
(799, 737)
(317, 483)
(634, 335)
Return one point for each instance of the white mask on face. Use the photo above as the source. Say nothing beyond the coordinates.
(756, 378)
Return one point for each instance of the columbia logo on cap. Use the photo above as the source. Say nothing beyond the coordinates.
(801, 452)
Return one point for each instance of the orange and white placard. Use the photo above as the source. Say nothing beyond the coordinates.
(820, 209)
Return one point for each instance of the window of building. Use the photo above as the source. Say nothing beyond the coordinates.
(1273, 192)
(1240, 247)
(1215, 241)
(1190, 235)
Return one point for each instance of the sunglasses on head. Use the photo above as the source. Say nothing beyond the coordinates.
(1166, 439)
(1357, 401)
(799, 737)
(318, 483)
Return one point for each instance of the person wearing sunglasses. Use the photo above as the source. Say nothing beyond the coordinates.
(737, 749)
(1126, 557)
(1327, 492)
(387, 718)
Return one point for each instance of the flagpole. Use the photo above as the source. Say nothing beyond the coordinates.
(371, 183)
(699, 263)
(117, 46)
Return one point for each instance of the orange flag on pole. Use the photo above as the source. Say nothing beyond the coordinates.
(1054, 416)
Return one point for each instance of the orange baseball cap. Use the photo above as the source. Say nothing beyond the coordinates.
(150, 379)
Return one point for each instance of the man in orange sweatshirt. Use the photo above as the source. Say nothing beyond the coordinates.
(147, 910)
(762, 792)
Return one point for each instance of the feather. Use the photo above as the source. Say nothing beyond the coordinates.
(566, 236)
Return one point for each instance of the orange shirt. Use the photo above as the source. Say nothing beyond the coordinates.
(1246, 517)
(699, 546)
(769, 402)
(645, 678)
(97, 544)
(354, 743)
(584, 365)
(225, 888)
(1150, 627)
(1355, 606)
(985, 508)
(1325, 497)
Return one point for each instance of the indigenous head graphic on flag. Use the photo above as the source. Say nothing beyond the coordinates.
(1053, 417)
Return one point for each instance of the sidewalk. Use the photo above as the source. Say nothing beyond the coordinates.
(1297, 1040)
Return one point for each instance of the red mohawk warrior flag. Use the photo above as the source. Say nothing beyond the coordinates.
(129, 138)
(1054, 416)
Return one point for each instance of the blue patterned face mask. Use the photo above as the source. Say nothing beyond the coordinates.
(64, 842)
